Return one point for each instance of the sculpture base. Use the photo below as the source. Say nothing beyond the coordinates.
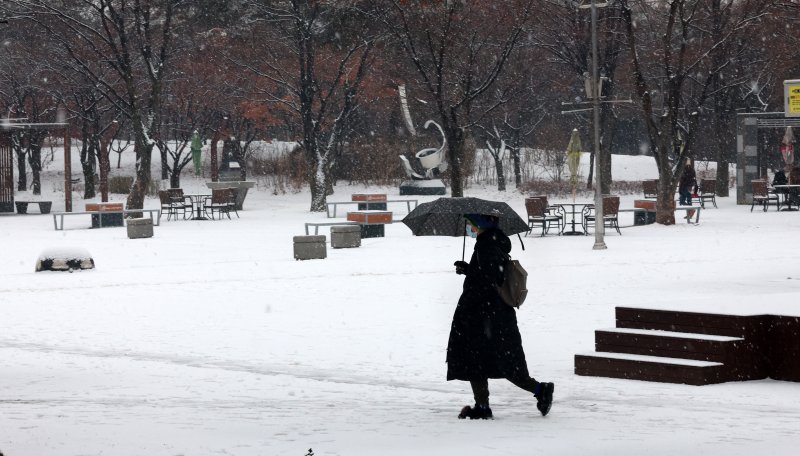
(423, 187)
(240, 186)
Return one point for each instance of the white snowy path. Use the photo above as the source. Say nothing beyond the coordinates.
(210, 339)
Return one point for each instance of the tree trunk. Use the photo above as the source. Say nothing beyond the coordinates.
(318, 183)
(665, 203)
(607, 123)
(22, 175)
(501, 177)
(35, 161)
(214, 163)
(144, 150)
(105, 170)
(723, 176)
(514, 150)
(164, 165)
(724, 144)
(455, 153)
(591, 171)
(87, 167)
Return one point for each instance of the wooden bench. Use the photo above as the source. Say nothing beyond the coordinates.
(44, 206)
(155, 215)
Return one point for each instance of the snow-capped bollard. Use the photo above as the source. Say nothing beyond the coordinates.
(64, 259)
(310, 247)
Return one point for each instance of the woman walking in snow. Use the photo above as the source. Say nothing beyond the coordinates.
(484, 339)
(687, 184)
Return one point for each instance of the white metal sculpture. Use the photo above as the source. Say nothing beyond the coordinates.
(432, 159)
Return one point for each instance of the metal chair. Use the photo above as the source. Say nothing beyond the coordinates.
(540, 214)
(708, 192)
(762, 196)
(650, 188)
(232, 202)
(220, 201)
(181, 202)
(610, 214)
(168, 205)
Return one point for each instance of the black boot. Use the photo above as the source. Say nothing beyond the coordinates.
(545, 398)
(479, 412)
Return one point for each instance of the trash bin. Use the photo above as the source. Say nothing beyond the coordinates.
(370, 201)
(106, 219)
(643, 217)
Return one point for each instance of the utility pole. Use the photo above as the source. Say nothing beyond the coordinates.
(599, 224)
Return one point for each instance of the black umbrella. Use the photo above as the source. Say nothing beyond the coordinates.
(445, 217)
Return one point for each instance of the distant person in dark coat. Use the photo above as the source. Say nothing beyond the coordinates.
(687, 184)
(484, 339)
(780, 179)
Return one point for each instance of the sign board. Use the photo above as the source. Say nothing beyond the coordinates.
(791, 97)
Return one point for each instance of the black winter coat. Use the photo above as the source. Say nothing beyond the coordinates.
(484, 338)
(688, 180)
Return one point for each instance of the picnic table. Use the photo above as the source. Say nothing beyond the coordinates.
(369, 201)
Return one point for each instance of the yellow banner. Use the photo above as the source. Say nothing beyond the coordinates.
(791, 91)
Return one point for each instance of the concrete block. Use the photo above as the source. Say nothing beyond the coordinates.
(345, 236)
(140, 228)
(310, 247)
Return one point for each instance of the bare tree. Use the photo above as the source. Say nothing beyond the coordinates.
(26, 86)
(133, 40)
(312, 67)
(518, 102)
(565, 33)
(458, 49)
(668, 52)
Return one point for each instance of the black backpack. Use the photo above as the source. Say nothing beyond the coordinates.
(514, 289)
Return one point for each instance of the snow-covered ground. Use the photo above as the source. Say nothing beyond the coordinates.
(209, 338)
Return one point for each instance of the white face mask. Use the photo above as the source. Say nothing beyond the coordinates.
(471, 231)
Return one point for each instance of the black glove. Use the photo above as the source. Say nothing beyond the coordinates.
(461, 267)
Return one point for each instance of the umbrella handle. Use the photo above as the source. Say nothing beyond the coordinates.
(464, 236)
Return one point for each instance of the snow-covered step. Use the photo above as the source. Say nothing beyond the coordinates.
(702, 347)
(651, 359)
(650, 368)
(685, 335)
(682, 321)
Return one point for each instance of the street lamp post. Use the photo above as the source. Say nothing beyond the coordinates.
(599, 225)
